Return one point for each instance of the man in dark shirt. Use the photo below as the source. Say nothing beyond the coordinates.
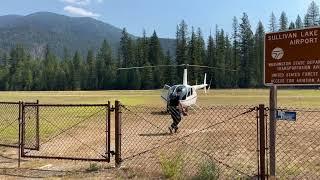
(175, 110)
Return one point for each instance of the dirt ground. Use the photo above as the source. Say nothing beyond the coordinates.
(57, 169)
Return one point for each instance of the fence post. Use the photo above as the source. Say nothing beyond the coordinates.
(19, 138)
(37, 127)
(117, 133)
(262, 142)
(272, 130)
(22, 130)
(108, 124)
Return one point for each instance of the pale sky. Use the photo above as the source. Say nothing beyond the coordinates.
(163, 15)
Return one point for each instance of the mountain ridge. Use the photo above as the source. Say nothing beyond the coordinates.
(37, 30)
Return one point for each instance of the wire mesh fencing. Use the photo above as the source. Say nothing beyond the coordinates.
(75, 132)
(298, 145)
(9, 124)
(221, 141)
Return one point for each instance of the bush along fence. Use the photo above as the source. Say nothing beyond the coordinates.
(213, 142)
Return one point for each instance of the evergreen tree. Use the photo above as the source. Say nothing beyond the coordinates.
(142, 50)
(298, 23)
(292, 25)
(92, 74)
(148, 77)
(200, 52)
(246, 47)
(283, 22)
(182, 47)
(236, 51)
(220, 54)
(312, 17)
(134, 79)
(211, 58)
(228, 63)
(168, 74)
(259, 53)
(106, 67)
(142, 54)
(273, 23)
(61, 77)
(126, 59)
(156, 58)
(193, 59)
(4, 60)
(76, 71)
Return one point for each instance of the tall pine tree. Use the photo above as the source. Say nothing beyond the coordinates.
(273, 23)
(181, 47)
(312, 17)
(259, 54)
(246, 47)
(298, 23)
(283, 22)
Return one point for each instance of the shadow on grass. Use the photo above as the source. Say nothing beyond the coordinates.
(156, 134)
(162, 113)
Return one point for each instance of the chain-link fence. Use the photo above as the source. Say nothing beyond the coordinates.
(217, 141)
(9, 124)
(76, 132)
(298, 145)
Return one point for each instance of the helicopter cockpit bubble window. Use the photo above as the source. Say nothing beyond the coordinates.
(183, 89)
(172, 89)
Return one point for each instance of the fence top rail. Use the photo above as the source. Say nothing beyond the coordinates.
(205, 107)
(65, 105)
(9, 102)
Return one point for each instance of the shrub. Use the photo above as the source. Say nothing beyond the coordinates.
(208, 171)
(93, 167)
(171, 167)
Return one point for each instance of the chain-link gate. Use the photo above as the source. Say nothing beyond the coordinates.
(72, 132)
(9, 124)
(10, 118)
(228, 139)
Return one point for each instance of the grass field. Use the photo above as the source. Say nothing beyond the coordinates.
(296, 98)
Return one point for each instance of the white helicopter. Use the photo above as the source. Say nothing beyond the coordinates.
(188, 97)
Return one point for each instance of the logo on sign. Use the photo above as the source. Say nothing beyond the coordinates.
(277, 53)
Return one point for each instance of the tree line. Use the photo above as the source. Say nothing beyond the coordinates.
(238, 57)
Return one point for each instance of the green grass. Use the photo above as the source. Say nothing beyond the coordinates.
(289, 98)
(295, 98)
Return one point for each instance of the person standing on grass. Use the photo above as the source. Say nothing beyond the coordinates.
(175, 110)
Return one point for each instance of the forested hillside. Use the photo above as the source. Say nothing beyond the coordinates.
(37, 30)
(240, 50)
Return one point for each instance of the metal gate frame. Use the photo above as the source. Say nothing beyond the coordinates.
(23, 132)
(262, 138)
(19, 125)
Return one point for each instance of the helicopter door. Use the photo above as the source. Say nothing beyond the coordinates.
(165, 93)
(189, 92)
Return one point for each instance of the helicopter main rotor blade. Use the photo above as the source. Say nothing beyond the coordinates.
(142, 67)
(212, 67)
(178, 65)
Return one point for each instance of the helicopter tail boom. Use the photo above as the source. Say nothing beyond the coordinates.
(201, 86)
